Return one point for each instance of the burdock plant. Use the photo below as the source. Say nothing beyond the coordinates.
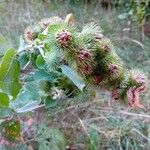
(90, 55)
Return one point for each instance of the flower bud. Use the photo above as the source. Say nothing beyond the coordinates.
(63, 38)
(83, 54)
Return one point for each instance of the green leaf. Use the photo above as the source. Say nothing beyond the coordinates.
(5, 112)
(6, 63)
(43, 75)
(33, 58)
(9, 74)
(40, 62)
(10, 88)
(50, 103)
(73, 76)
(28, 98)
(23, 59)
(4, 100)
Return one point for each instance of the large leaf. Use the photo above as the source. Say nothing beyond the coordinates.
(43, 75)
(10, 88)
(34, 91)
(6, 63)
(73, 76)
(28, 98)
(9, 74)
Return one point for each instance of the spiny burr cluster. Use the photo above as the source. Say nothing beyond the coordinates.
(31, 32)
(91, 55)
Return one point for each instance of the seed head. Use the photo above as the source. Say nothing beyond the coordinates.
(83, 54)
(63, 38)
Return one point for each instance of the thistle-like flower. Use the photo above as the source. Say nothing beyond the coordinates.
(84, 54)
(63, 38)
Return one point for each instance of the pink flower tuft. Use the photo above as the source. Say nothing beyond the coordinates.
(83, 54)
(63, 38)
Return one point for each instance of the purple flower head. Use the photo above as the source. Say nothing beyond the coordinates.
(63, 37)
(83, 54)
